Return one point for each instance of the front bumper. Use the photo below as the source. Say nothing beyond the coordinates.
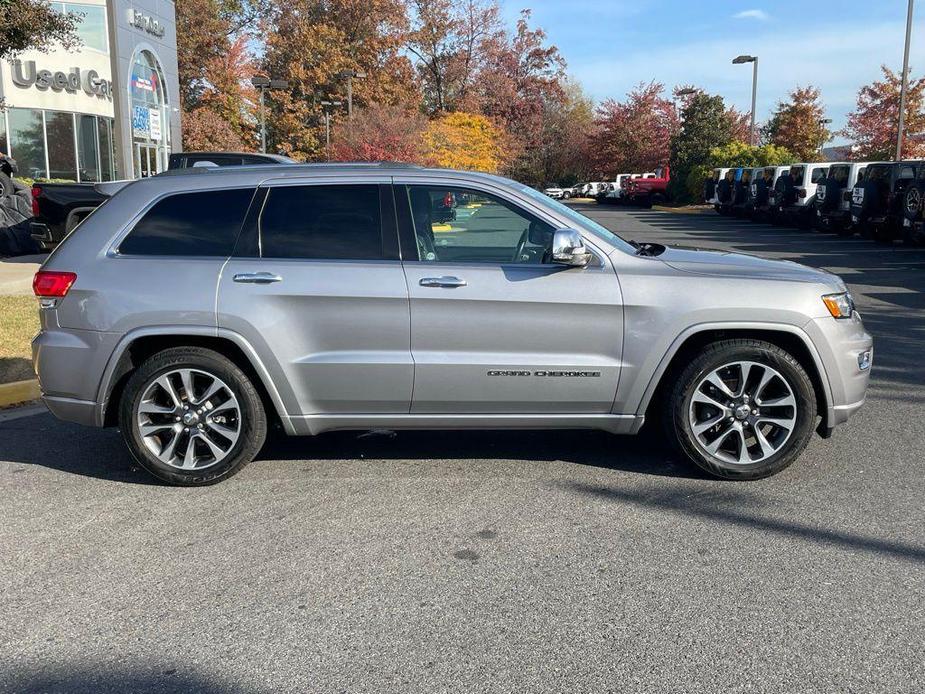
(842, 346)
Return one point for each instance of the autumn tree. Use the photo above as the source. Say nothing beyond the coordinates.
(34, 25)
(215, 67)
(563, 154)
(449, 40)
(635, 134)
(462, 140)
(798, 124)
(383, 133)
(873, 125)
(522, 81)
(308, 42)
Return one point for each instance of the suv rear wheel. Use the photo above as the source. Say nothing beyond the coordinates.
(742, 409)
(191, 417)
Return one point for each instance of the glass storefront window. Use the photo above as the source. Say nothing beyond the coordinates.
(59, 128)
(4, 142)
(104, 130)
(27, 141)
(91, 28)
(87, 150)
(150, 115)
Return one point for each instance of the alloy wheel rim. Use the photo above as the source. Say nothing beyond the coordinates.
(742, 413)
(189, 419)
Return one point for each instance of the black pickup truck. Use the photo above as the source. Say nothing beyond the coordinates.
(59, 207)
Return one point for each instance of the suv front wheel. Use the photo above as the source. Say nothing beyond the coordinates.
(742, 409)
(191, 417)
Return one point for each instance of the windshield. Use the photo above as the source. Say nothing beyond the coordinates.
(579, 219)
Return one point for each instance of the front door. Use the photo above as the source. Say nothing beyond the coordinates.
(316, 286)
(495, 327)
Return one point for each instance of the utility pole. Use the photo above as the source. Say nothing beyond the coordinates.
(905, 85)
(349, 75)
(754, 60)
(327, 105)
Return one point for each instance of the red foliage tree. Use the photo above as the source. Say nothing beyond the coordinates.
(874, 123)
(382, 133)
(635, 134)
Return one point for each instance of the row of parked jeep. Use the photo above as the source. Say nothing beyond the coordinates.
(879, 200)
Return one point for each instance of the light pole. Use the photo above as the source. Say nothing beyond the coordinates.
(349, 75)
(327, 105)
(753, 59)
(680, 94)
(262, 84)
(905, 84)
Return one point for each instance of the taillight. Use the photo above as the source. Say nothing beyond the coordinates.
(802, 193)
(48, 283)
(448, 200)
(36, 191)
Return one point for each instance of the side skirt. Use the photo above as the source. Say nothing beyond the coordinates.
(310, 425)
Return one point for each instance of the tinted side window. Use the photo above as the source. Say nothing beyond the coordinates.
(463, 225)
(818, 174)
(205, 223)
(322, 222)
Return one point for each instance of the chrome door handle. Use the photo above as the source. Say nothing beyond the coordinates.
(257, 277)
(444, 281)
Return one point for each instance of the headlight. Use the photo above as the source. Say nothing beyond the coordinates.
(839, 305)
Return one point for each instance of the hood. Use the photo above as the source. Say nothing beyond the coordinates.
(728, 264)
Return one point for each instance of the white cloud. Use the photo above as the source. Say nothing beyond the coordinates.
(760, 15)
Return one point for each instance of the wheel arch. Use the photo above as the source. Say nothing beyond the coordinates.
(138, 345)
(787, 337)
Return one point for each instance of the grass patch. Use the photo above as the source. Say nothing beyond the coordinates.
(19, 322)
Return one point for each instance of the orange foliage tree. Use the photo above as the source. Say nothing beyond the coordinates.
(462, 140)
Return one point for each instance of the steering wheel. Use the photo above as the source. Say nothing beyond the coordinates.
(521, 245)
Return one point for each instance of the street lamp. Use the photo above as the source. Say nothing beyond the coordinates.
(349, 75)
(681, 93)
(904, 86)
(262, 84)
(754, 60)
(327, 106)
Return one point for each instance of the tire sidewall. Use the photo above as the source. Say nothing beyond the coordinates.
(253, 430)
(762, 353)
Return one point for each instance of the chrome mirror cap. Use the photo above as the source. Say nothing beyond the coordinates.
(568, 248)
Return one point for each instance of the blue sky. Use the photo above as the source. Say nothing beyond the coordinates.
(837, 46)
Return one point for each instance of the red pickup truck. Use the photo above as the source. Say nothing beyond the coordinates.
(648, 191)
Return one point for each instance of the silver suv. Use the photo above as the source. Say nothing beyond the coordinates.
(193, 310)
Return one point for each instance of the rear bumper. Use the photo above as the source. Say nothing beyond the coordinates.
(85, 412)
(69, 365)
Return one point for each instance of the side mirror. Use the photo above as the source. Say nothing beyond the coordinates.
(568, 248)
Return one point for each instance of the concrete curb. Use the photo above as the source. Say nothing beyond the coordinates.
(684, 210)
(19, 392)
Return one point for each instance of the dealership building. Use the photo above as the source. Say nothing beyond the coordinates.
(105, 111)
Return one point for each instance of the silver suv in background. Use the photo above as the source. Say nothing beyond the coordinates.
(192, 310)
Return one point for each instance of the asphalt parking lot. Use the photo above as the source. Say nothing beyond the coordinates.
(491, 562)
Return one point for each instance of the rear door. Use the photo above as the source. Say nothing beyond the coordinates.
(316, 286)
(495, 327)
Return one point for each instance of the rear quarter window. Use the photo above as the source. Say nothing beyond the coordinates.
(819, 173)
(204, 223)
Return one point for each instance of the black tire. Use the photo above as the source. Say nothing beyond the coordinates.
(253, 418)
(714, 356)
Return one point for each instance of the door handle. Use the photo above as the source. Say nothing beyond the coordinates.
(257, 278)
(443, 281)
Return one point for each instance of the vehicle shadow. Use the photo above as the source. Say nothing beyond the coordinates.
(42, 441)
(730, 506)
(104, 678)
